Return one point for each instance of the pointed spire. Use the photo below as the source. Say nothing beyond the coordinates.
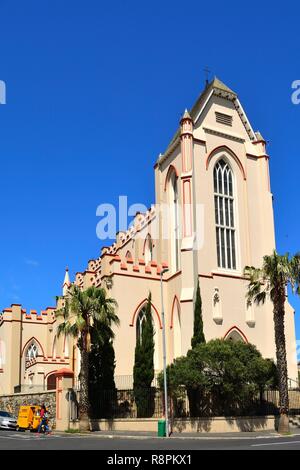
(186, 115)
(67, 282)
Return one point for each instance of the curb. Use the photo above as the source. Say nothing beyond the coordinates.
(132, 437)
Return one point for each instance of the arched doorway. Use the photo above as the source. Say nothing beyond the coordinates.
(51, 382)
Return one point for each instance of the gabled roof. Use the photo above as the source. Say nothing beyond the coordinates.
(216, 86)
(216, 83)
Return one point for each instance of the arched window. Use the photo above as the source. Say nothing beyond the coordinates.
(128, 255)
(32, 351)
(177, 346)
(148, 250)
(140, 322)
(235, 336)
(54, 348)
(174, 221)
(224, 215)
(66, 346)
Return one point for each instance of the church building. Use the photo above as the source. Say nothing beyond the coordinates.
(212, 216)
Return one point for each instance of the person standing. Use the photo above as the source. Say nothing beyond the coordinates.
(44, 420)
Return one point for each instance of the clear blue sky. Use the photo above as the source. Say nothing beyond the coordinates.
(94, 92)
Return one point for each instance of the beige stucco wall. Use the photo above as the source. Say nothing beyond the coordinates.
(198, 425)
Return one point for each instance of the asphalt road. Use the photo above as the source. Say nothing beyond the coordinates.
(10, 440)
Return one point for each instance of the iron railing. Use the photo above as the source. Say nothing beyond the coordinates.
(149, 403)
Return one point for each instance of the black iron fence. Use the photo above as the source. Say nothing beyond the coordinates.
(144, 403)
(149, 403)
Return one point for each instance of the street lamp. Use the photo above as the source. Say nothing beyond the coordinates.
(164, 350)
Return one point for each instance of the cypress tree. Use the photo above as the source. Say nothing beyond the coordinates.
(198, 337)
(194, 394)
(102, 389)
(143, 371)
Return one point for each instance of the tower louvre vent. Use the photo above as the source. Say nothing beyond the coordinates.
(224, 118)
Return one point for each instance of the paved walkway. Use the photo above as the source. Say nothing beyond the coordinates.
(185, 435)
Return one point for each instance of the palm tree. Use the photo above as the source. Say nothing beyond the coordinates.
(85, 311)
(271, 281)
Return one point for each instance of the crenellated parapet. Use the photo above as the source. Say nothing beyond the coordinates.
(101, 267)
(141, 221)
(124, 266)
(17, 313)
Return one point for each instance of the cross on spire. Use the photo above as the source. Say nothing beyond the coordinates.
(206, 72)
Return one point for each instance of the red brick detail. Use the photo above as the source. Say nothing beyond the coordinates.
(124, 266)
(142, 262)
(147, 270)
(136, 268)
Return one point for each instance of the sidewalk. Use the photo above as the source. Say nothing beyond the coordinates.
(201, 435)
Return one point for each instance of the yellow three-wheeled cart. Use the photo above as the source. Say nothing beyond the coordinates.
(29, 418)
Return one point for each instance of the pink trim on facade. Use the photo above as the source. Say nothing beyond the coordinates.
(235, 328)
(231, 152)
(172, 168)
(175, 300)
(187, 207)
(29, 341)
(138, 308)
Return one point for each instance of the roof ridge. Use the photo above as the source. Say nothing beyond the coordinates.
(217, 84)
